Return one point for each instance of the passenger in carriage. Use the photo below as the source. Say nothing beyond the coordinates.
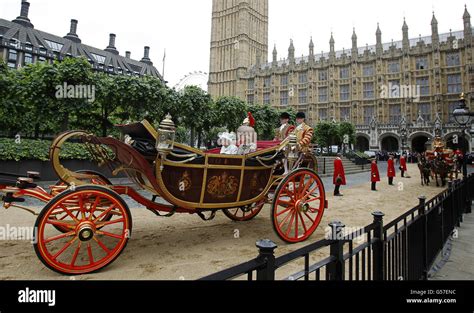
(227, 140)
(285, 129)
(247, 136)
(304, 133)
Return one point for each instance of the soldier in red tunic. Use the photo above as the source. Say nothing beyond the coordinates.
(339, 178)
(390, 170)
(403, 164)
(374, 174)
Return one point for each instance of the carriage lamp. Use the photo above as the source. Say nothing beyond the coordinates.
(461, 114)
(166, 136)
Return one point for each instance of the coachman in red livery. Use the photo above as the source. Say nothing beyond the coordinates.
(391, 170)
(339, 177)
(403, 164)
(374, 174)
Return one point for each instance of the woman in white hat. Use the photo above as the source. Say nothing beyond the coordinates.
(227, 140)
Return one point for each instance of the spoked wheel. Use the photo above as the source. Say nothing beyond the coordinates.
(99, 179)
(91, 242)
(298, 205)
(245, 213)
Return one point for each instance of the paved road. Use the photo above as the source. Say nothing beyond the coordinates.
(459, 265)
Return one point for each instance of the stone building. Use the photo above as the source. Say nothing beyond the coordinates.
(22, 44)
(398, 94)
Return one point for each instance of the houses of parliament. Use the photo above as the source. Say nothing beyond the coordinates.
(346, 85)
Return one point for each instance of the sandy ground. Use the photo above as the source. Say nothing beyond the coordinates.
(185, 247)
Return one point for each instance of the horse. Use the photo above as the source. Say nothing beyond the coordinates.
(425, 169)
(456, 168)
(440, 167)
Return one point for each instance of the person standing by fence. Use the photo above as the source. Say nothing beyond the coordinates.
(374, 174)
(390, 169)
(339, 177)
(403, 164)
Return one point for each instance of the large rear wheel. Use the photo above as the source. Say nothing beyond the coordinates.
(298, 205)
(91, 242)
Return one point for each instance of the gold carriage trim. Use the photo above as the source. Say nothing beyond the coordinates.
(222, 186)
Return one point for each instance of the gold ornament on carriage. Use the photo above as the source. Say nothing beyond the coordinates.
(222, 186)
(184, 184)
(166, 135)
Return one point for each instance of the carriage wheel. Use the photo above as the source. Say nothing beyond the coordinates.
(298, 205)
(92, 242)
(246, 213)
(99, 180)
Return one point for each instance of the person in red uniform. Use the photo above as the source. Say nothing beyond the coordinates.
(390, 170)
(403, 164)
(374, 174)
(339, 178)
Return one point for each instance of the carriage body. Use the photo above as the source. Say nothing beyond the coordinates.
(184, 180)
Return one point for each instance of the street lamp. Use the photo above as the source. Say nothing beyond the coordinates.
(462, 116)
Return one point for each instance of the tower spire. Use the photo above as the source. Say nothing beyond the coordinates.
(275, 55)
(406, 41)
(332, 51)
(434, 31)
(467, 24)
(354, 51)
(378, 45)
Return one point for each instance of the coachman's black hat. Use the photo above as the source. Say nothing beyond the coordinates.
(300, 115)
(285, 115)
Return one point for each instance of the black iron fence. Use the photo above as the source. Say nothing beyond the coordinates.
(404, 249)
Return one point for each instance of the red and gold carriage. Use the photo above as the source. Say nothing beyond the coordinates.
(86, 224)
(442, 161)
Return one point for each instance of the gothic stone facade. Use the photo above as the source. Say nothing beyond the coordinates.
(348, 85)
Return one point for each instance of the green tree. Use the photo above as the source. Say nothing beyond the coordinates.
(229, 112)
(326, 134)
(196, 112)
(35, 91)
(73, 72)
(346, 128)
(266, 120)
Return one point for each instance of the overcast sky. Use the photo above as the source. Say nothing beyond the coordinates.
(183, 26)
